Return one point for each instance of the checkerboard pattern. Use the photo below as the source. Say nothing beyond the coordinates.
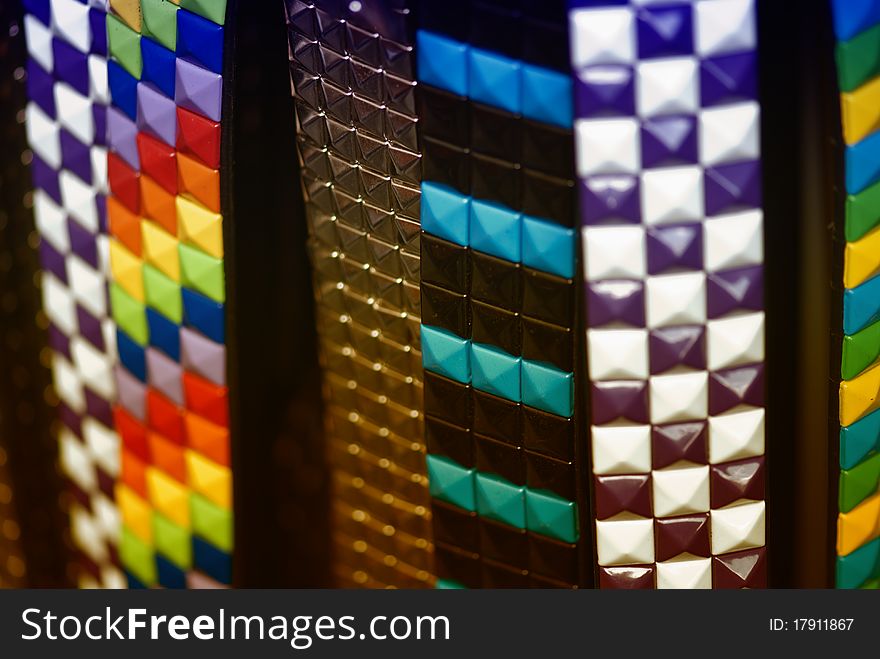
(352, 75)
(857, 29)
(498, 293)
(668, 156)
(65, 118)
(167, 290)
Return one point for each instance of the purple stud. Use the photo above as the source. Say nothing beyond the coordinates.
(623, 399)
(736, 386)
(610, 200)
(83, 243)
(71, 66)
(675, 247)
(59, 341)
(122, 137)
(669, 141)
(613, 301)
(198, 89)
(665, 31)
(76, 157)
(53, 261)
(44, 177)
(682, 345)
(678, 441)
(601, 91)
(742, 288)
(90, 327)
(728, 79)
(156, 113)
(733, 187)
(41, 87)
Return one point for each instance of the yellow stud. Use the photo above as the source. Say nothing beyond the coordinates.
(137, 515)
(209, 479)
(859, 526)
(861, 259)
(200, 227)
(160, 249)
(168, 496)
(860, 111)
(127, 270)
(129, 11)
(859, 396)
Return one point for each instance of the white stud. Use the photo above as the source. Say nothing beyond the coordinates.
(724, 26)
(67, 384)
(618, 354)
(672, 194)
(51, 221)
(687, 573)
(70, 20)
(614, 252)
(679, 397)
(103, 444)
(740, 526)
(75, 112)
(607, 146)
(733, 241)
(680, 491)
(95, 368)
(734, 341)
(602, 36)
(736, 436)
(39, 42)
(87, 285)
(43, 135)
(730, 133)
(58, 304)
(621, 449)
(668, 86)
(678, 299)
(79, 200)
(625, 541)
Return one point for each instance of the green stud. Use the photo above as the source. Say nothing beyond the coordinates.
(213, 10)
(125, 46)
(163, 294)
(172, 541)
(202, 272)
(160, 22)
(501, 500)
(862, 212)
(550, 514)
(137, 557)
(450, 482)
(860, 350)
(859, 567)
(858, 59)
(211, 522)
(448, 584)
(129, 314)
(859, 483)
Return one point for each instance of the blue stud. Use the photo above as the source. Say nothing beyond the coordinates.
(445, 212)
(547, 96)
(159, 65)
(495, 80)
(131, 355)
(548, 246)
(442, 62)
(212, 561)
(200, 40)
(164, 334)
(495, 229)
(206, 315)
(446, 353)
(123, 89)
(495, 371)
(547, 388)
